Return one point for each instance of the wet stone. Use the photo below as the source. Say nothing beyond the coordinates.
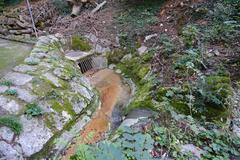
(24, 68)
(53, 79)
(9, 106)
(126, 57)
(236, 130)
(32, 61)
(84, 81)
(33, 136)
(25, 95)
(3, 89)
(66, 137)
(78, 107)
(92, 38)
(197, 152)
(112, 66)
(62, 73)
(18, 78)
(6, 134)
(80, 89)
(100, 49)
(8, 152)
(66, 116)
(39, 55)
(59, 123)
(76, 55)
(142, 50)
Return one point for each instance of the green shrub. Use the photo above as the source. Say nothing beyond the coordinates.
(190, 35)
(79, 43)
(168, 46)
(6, 83)
(12, 123)
(32, 109)
(191, 56)
(11, 92)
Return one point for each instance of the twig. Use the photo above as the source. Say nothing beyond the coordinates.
(99, 6)
(33, 23)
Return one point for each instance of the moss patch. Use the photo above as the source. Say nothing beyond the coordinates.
(62, 106)
(41, 87)
(79, 43)
(11, 122)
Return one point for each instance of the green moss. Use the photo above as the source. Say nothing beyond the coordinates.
(64, 84)
(220, 85)
(49, 146)
(64, 106)
(49, 121)
(79, 43)
(11, 122)
(68, 107)
(115, 56)
(57, 106)
(41, 87)
(143, 97)
(161, 93)
(180, 106)
(143, 71)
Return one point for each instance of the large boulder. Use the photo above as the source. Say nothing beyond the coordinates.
(56, 86)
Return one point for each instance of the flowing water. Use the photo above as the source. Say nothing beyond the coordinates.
(12, 54)
(113, 92)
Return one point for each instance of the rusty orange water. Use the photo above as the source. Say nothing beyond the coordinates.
(112, 91)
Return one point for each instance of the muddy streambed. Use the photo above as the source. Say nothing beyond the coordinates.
(114, 94)
(11, 54)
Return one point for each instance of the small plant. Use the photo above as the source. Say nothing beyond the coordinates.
(103, 151)
(32, 109)
(168, 46)
(11, 92)
(190, 35)
(191, 56)
(135, 145)
(12, 123)
(79, 43)
(6, 83)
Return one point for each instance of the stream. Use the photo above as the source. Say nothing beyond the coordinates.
(11, 54)
(114, 94)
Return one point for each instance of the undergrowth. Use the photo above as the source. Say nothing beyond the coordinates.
(135, 17)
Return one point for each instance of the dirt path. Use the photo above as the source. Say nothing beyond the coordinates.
(112, 92)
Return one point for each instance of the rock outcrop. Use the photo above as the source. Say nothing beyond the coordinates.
(56, 86)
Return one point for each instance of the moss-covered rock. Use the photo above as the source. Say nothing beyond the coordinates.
(116, 55)
(59, 90)
(220, 85)
(79, 43)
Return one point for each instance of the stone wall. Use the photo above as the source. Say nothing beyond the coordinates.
(54, 84)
